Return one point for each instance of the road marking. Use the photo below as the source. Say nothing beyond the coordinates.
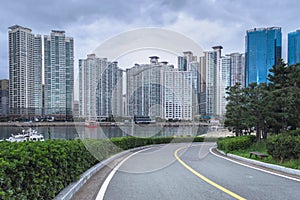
(105, 184)
(204, 178)
(252, 167)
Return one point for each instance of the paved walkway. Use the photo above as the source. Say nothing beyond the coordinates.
(221, 133)
(91, 188)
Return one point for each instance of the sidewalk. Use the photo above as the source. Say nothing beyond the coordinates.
(262, 166)
(215, 134)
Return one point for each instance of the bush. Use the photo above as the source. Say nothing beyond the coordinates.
(229, 144)
(130, 142)
(293, 132)
(40, 170)
(284, 147)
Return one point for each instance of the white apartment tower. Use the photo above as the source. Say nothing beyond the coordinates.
(177, 95)
(225, 78)
(144, 88)
(59, 73)
(218, 73)
(100, 88)
(90, 70)
(25, 71)
(110, 91)
(188, 62)
(237, 69)
(210, 65)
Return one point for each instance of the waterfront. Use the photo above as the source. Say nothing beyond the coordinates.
(72, 131)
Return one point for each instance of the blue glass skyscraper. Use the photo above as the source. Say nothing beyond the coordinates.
(263, 51)
(294, 47)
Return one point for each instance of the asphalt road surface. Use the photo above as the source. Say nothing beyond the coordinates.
(185, 171)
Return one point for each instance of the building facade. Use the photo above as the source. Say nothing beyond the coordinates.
(177, 95)
(209, 84)
(25, 72)
(237, 71)
(188, 62)
(263, 51)
(294, 47)
(59, 74)
(224, 83)
(90, 70)
(110, 91)
(4, 97)
(100, 88)
(144, 88)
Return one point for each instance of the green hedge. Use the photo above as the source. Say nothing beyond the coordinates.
(40, 170)
(131, 142)
(229, 144)
(284, 147)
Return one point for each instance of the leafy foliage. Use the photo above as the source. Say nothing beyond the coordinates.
(266, 107)
(236, 110)
(229, 144)
(284, 147)
(40, 170)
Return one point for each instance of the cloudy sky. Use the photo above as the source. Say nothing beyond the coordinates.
(92, 22)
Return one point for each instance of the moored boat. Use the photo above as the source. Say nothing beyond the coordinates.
(91, 124)
(26, 135)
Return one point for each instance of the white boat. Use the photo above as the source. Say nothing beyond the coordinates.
(28, 135)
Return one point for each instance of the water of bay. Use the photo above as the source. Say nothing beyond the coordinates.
(71, 132)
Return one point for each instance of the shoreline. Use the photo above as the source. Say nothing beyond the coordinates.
(38, 124)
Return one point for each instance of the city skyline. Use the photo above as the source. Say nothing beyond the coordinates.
(204, 22)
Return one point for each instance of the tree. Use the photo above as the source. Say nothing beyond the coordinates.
(272, 106)
(279, 86)
(236, 113)
(284, 87)
(293, 95)
(258, 108)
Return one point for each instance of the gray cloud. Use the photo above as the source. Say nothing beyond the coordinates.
(221, 22)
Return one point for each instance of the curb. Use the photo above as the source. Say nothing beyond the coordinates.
(263, 164)
(71, 189)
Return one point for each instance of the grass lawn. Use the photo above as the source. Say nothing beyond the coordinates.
(261, 147)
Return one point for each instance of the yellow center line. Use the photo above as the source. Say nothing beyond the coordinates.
(204, 178)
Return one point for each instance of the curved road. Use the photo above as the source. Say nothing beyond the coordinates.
(175, 172)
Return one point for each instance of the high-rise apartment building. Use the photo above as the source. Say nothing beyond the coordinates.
(294, 47)
(188, 62)
(100, 88)
(144, 88)
(177, 94)
(224, 83)
(237, 69)
(90, 70)
(217, 74)
(110, 91)
(194, 68)
(182, 63)
(210, 81)
(25, 71)
(4, 97)
(263, 51)
(59, 74)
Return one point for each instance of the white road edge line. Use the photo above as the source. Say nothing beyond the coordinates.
(273, 173)
(105, 184)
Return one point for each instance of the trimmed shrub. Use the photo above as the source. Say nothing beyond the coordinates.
(284, 147)
(40, 170)
(229, 144)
